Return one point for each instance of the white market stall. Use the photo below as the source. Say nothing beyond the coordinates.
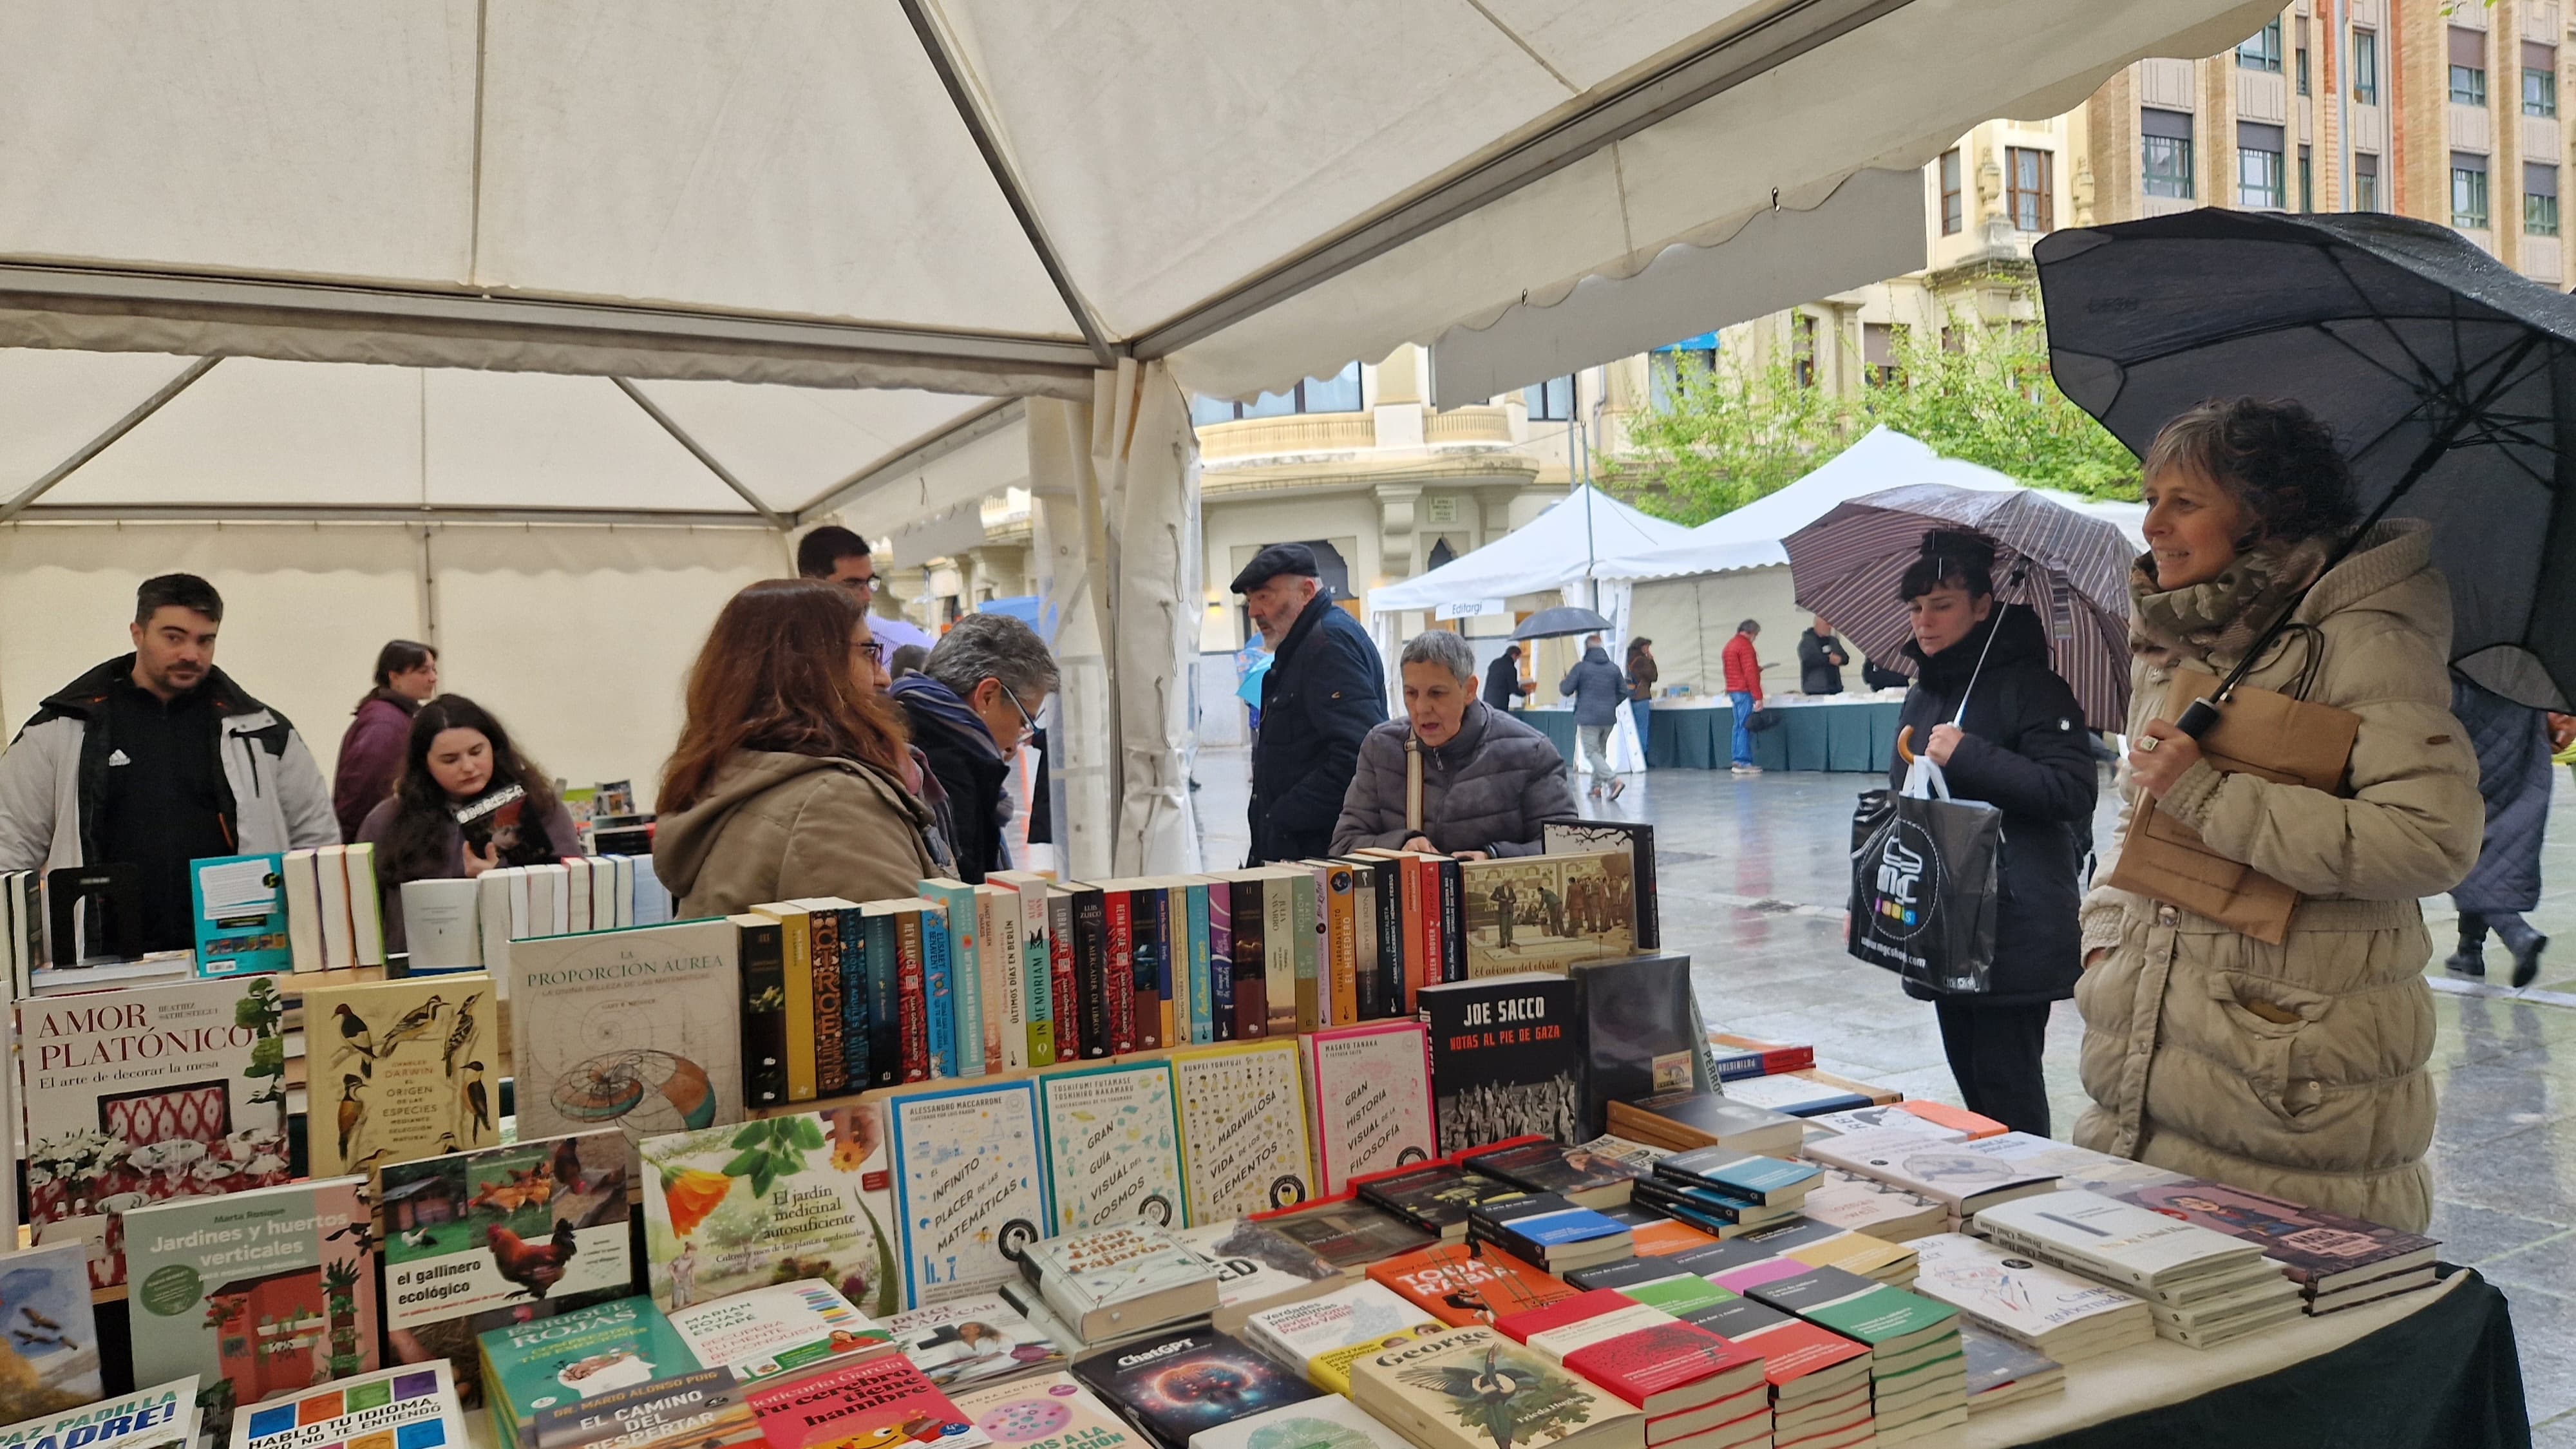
(532, 324)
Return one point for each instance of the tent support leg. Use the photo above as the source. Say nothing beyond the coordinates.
(106, 440)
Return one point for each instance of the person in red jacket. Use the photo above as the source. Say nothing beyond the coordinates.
(1744, 691)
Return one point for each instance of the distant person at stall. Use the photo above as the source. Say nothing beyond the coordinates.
(1503, 686)
(838, 556)
(1642, 674)
(1743, 670)
(1488, 779)
(1596, 686)
(969, 709)
(1325, 690)
(455, 753)
(157, 758)
(906, 660)
(2006, 731)
(2514, 777)
(371, 750)
(791, 776)
(1821, 658)
(1873, 677)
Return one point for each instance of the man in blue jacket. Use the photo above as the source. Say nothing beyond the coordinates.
(1325, 691)
(1596, 686)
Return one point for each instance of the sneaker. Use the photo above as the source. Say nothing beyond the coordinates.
(1593, 794)
(2466, 963)
(1748, 769)
(1616, 786)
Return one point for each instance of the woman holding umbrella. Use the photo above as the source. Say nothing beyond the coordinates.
(2294, 1069)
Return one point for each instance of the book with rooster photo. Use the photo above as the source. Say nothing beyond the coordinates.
(732, 1208)
(400, 1070)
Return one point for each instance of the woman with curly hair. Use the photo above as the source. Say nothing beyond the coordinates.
(2295, 1069)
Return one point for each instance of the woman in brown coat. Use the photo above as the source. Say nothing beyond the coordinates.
(791, 777)
(2295, 1069)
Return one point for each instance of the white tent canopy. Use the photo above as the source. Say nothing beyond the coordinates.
(1548, 553)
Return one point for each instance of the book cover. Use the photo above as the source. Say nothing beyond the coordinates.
(1112, 1146)
(1202, 905)
(237, 904)
(1436, 1198)
(1037, 992)
(1052, 1411)
(1349, 1233)
(823, 959)
(1671, 1359)
(1580, 1173)
(1129, 1012)
(1577, 837)
(572, 1357)
(1363, 1312)
(2317, 1249)
(1328, 1422)
(796, 955)
(145, 1094)
(1504, 1060)
(1996, 1364)
(2011, 1294)
(1767, 1180)
(1792, 1348)
(881, 1404)
(1958, 1175)
(938, 988)
(965, 974)
(761, 950)
(731, 1208)
(1369, 1094)
(1856, 1307)
(1243, 1129)
(640, 1029)
(256, 1293)
(1147, 925)
(1337, 971)
(47, 1326)
(161, 1417)
(1546, 912)
(1683, 1120)
(1256, 1263)
(1640, 1032)
(1175, 1387)
(970, 1187)
(1105, 1031)
(969, 1341)
(778, 1329)
(702, 1409)
(413, 1407)
(1005, 958)
(1120, 1279)
(1474, 1389)
(882, 960)
(402, 1065)
(1462, 1285)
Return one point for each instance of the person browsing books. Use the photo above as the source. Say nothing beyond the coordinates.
(838, 557)
(2006, 731)
(1503, 686)
(1821, 657)
(969, 709)
(1326, 689)
(457, 757)
(157, 758)
(2294, 1069)
(791, 776)
(371, 750)
(1488, 779)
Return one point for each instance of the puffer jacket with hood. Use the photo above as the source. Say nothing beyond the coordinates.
(775, 826)
(1596, 686)
(1487, 789)
(2295, 1069)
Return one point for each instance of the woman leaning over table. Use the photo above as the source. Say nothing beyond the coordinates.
(2295, 1069)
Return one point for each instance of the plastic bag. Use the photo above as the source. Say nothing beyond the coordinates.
(1923, 887)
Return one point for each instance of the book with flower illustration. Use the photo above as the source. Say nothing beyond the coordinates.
(405, 1064)
(475, 1241)
(256, 1293)
(734, 1208)
(638, 1029)
(143, 1094)
(1243, 1129)
(970, 1187)
(1113, 1140)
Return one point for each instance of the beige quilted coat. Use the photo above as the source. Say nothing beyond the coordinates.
(2298, 1069)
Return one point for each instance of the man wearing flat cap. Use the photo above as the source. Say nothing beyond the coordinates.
(1325, 691)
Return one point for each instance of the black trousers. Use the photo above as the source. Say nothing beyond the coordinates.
(1994, 1055)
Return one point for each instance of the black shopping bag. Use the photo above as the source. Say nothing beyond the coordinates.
(1923, 884)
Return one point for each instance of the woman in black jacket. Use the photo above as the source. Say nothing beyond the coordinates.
(2021, 746)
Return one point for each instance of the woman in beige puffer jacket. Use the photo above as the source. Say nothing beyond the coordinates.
(2298, 1069)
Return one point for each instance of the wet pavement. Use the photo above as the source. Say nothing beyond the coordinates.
(1752, 874)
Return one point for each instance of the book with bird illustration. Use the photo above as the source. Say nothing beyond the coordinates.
(49, 1358)
(639, 1029)
(479, 1240)
(1475, 1389)
(734, 1208)
(256, 1293)
(398, 1070)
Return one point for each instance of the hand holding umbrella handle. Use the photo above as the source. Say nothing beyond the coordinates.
(2199, 719)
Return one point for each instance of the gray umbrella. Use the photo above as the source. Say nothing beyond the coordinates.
(2440, 371)
(1551, 623)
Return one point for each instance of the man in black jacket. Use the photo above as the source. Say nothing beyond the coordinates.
(1503, 685)
(1821, 660)
(1325, 691)
(970, 707)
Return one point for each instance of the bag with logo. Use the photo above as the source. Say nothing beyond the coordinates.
(1923, 883)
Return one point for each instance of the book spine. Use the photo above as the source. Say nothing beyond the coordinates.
(796, 952)
(1391, 1000)
(855, 1043)
(1067, 997)
(1208, 956)
(885, 1002)
(1146, 962)
(1282, 922)
(1368, 982)
(1641, 885)
(1422, 908)
(831, 1068)
(912, 991)
(764, 1015)
(1221, 960)
(1009, 977)
(937, 1007)
(1313, 949)
(1176, 1007)
(1104, 1015)
(1341, 944)
(1037, 971)
(965, 981)
(1453, 922)
(1251, 958)
(1121, 985)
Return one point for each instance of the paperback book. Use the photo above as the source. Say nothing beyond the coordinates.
(1436, 1198)
(1174, 1387)
(1243, 1129)
(971, 1341)
(1504, 1060)
(970, 1187)
(701, 1409)
(47, 1327)
(413, 1407)
(1052, 1411)
(1113, 1137)
(403, 1064)
(1369, 1094)
(573, 1357)
(780, 1329)
(2320, 1251)
(1257, 1267)
(882, 1402)
(1349, 1233)
(1447, 1392)
(639, 1029)
(1585, 1177)
(1462, 1285)
(1308, 1335)
(732, 1208)
(1641, 1032)
(1546, 912)
(1328, 1422)
(1578, 837)
(238, 907)
(161, 1417)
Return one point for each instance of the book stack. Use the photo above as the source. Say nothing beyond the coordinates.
(1680, 1121)
(1738, 1057)
(2337, 1261)
(2204, 1288)
(1319, 1337)
(1461, 1284)
(1822, 1245)
(2002, 1372)
(1917, 1375)
(1865, 1205)
(1697, 1390)
(1435, 1199)
(1115, 1282)
(1257, 1267)
(1819, 1380)
(1717, 1188)
(1964, 1177)
(1438, 1393)
(2066, 1317)
(1544, 1229)
(969, 1341)
(1799, 1094)
(1578, 1174)
(1932, 1119)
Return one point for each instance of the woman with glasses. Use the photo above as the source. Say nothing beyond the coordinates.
(791, 777)
(970, 707)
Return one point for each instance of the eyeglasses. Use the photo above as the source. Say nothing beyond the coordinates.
(1028, 726)
(874, 650)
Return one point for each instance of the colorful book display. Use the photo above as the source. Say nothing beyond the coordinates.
(724, 1208)
(1113, 1138)
(1243, 1129)
(161, 1417)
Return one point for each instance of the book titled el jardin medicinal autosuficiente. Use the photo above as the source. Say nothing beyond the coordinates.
(637, 1029)
(725, 1209)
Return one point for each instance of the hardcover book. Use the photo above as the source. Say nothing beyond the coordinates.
(1329, 1422)
(1257, 1266)
(970, 1187)
(1578, 837)
(1474, 1389)
(639, 1029)
(702, 1409)
(1113, 1139)
(402, 1062)
(1052, 1411)
(1641, 1033)
(1368, 1091)
(882, 1402)
(145, 1094)
(1349, 1233)
(161, 1417)
(727, 1208)
(415, 1407)
(1113, 1281)
(760, 951)
(1460, 1285)
(2320, 1251)
(968, 1341)
(46, 1324)
(1243, 1129)
(238, 906)
(779, 1329)
(1546, 912)
(1504, 1060)
(1175, 1387)
(529, 1368)
(285, 1266)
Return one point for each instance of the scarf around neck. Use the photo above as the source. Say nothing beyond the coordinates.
(2219, 619)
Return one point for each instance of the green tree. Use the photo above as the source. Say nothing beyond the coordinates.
(1732, 433)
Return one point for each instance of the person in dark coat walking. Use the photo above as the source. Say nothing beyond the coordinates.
(1325, 691)
(2021, 746)
(1821, 658)
(1596, 686)
(2512, 742)
(1503, 679)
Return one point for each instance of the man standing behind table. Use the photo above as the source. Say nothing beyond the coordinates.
(1821, 658)
(1596, 686)
(1503, 679)
(1325, 691)
(970, 707)
(1743, 691)
(157, 758)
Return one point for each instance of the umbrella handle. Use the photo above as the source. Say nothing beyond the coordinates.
(1905, 744)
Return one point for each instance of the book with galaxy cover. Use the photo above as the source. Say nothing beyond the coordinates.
(1504, 1060)
(1050, 1411)
(404, 1062)
(163, 1416)
(1348, 1232)
(969, 1187)
(529, 1368)
(1578, 837)
(414, 1407)
(1460, 1284)
(1113, 1145)
(724, 1208)
(1368, 1091)
(1243, 1129)
(1440, 1393)
(1174, 1387)
(640, 1029)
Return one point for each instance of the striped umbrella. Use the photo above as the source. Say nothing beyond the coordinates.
(2073, 571)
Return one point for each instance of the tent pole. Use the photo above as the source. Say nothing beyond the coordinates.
(972, 428)
(777, 520)
(105, 440)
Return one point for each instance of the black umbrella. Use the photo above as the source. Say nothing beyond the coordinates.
(2441, 372)
(1551, 623)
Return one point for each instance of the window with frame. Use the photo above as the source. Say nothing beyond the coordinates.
(2365, 67)
(2365, 182)
(2261, 174)
(2307, 182)
(2262, 50)
(2539, 198)
(1878, 354)
(2027, 191)
(2164, 145)
(1664, 368)
(2539, 79)
(2300, 53)
(1339, 393)
(2468, 66)
(1953, 208)
(1551, 401)
(2468, 191)
(1802, 360)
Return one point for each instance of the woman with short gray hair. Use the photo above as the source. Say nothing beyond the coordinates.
(1487, 780)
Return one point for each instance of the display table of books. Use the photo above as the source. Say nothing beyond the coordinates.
(1846, 735)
